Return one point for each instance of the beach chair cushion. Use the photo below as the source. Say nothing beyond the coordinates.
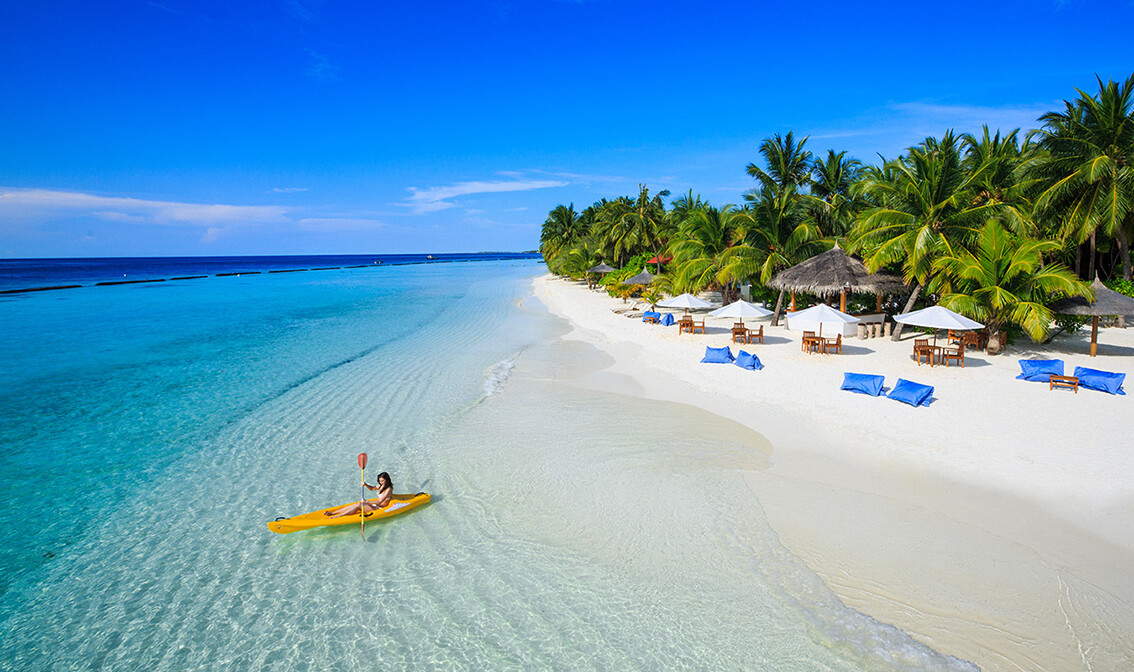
(909, 392)
(1103, 381)
(667, 320)
(717, 356)
(1040, 370)
(748, 361)
(648, 314)
(863, 383)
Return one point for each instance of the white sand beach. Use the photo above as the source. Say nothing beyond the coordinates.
(995, 525)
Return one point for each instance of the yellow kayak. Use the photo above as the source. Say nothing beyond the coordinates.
(398, 504)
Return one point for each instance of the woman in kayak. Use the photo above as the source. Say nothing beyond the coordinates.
(385, 489)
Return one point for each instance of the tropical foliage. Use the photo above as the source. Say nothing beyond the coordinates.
(985, 224)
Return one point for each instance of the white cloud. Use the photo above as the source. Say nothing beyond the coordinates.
(24, 205)
(433, 199)
(288, 190)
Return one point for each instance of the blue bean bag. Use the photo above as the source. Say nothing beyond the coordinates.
(1103, 381)
(747, 361)
(667, 320)
(909, 392)
(717, 356)
(648, 314)
(863, 383)
(1040, 370)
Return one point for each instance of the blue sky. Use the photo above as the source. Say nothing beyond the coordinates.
(178, 127)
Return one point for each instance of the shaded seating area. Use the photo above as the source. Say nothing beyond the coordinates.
(956, 354)
(923, 350)
(977, 339)
(687, 325)
(810, 342)
(742, 334)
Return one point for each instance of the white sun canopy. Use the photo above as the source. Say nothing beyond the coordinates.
(815, 317)
(685, 301)
(936, 317)
(741, 309)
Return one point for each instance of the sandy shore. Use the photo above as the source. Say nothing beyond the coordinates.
(996, 525)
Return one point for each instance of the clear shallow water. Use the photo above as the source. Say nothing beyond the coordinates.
(158, 427)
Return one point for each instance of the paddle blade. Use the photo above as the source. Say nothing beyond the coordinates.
(362, 460)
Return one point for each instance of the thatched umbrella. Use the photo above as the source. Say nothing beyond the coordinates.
(835, 272)
(600, 269)
(643, 278)
(1107, 303)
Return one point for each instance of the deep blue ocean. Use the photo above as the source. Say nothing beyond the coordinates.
(17, 274)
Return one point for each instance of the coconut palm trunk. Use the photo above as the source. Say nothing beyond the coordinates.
(779, 305)
(909, 306)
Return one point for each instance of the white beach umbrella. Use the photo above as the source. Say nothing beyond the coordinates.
(821, 314)
(936, 317)
(741, 310)
(685, 301)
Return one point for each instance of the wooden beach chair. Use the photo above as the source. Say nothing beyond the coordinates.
(803, 344)
(833, 345)
(922, 348)
(756, 334)
(956, 354)
(698, 326)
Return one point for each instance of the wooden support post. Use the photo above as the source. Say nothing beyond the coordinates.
(1094, 335)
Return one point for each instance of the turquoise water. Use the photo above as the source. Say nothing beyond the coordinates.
(150, 431)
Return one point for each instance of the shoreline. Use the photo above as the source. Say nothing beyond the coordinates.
(999, 536)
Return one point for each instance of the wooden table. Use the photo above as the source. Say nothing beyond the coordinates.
(809, 341)
(934, 352)
(1066, 382)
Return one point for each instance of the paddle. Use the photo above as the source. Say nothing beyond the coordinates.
(362, 502)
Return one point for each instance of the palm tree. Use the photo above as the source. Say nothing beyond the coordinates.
(927, 210)
(775, 222)
(832, 201)
(608, 232)
(1001, 180)
(777, 227)
(560, 232)
(1004, 280)
(631, 226)
(1087, 170)
(707, 252)
(786, 163)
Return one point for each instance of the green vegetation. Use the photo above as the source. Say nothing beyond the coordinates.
(988, 225)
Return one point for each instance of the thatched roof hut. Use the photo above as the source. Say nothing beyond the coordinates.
(1107, 303)
(833, 271)
(601, 268)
